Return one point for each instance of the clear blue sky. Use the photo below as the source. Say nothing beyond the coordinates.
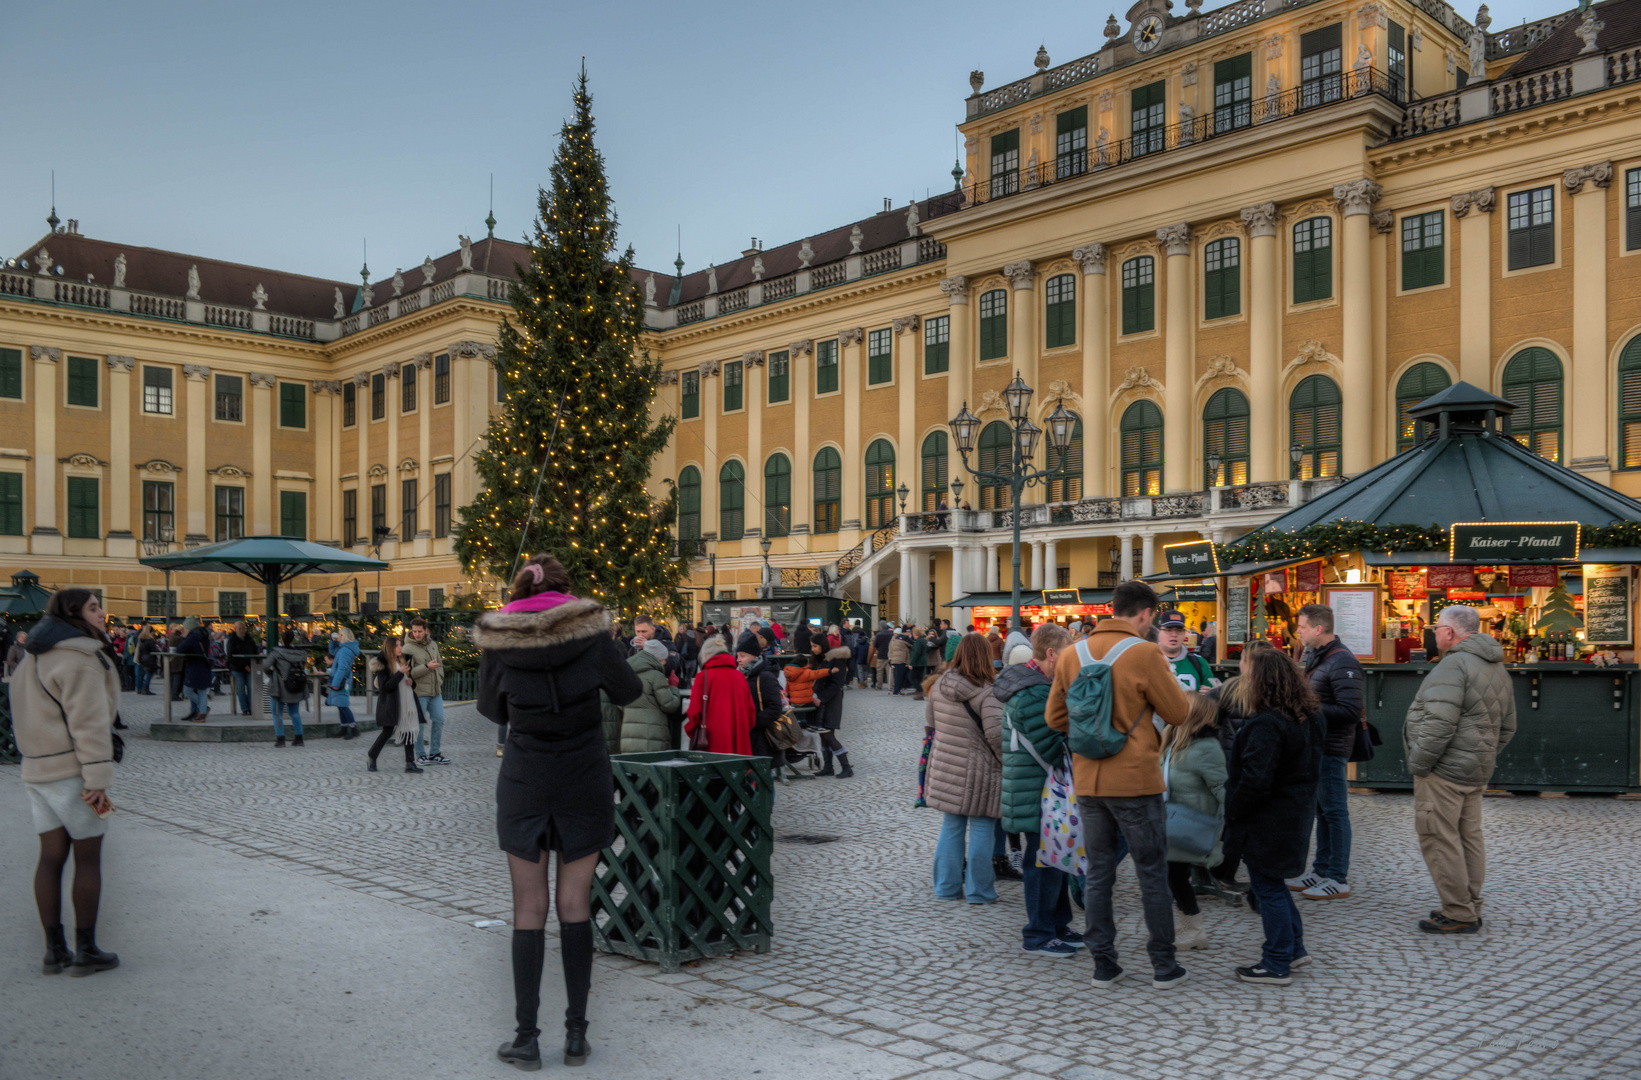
(280, 134)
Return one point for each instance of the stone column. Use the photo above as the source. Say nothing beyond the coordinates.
(1037, 566)
(1177, 345)
(195, 418)
(752, 399)
(45, 538)
(903, 587)
(1381, 443)
(361, 426)
(392, 411)
(1588, 445)
(1096, 388)
(121, 542)
(958, 587)
(801, 363)
(424, 459)
(261, 509)
(1264, 315)
(868, 589)
(1475, 286)
(907, 378)
(1051, 565)
(1125, 565)
(1023, 321)
(991, 568)
(850, 348)
(1356, 200)
(960, 367)
(1148, 555)
(712, 403)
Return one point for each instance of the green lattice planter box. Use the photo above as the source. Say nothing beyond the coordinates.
(688, 875)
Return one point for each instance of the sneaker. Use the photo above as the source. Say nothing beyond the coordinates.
(1300, 884)
(498, 751)
(1327, 889)
(1257, 974)
(1169, 979)
(1017, 860)
(1106, 974)
(1072, 938)
(1441, 924)
(423, 759)
(1300, 961)
(1436, 913)
(437, 759)
(1055, 949)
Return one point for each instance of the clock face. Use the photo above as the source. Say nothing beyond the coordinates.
(1148, 32)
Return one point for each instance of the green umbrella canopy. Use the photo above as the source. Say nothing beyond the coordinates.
(272, 560)
(25, 596)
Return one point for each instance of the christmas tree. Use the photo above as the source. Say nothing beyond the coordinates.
(1559, 613)
(577, 426)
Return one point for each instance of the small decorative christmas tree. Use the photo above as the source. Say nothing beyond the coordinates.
(1559, 614)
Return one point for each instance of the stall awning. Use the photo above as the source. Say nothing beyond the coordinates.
(1239, 570)
(1033, 598)
(1617, 556)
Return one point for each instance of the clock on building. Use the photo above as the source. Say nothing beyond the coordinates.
(1148, 32)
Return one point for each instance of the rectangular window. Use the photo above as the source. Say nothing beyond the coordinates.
(1005, 163)
(378, 396)
(84, 520)
(159, 603)
(378, 512)
(880, 363)
(230, 513)
(1396, 60)
(372, 600)
(689, 396)
(11, 504)
(408, 524)
(407, 387)
(1139, 302)
(1233, 93)
(937, 344)
(156, 390)
(350, 517)
(293, 405)
(1422, 250)
(159, 510)
(231, 605)
(1222, 279)
(441, 505)
(230, 394)
(1319, 66)
(82, 381)
(1071, 142)
(295, 603)
(780, 377)
(293, 514)
(11, 373)
(732, 385)
(1148, 117)
(1532, 228)
(1312, 260)
(403, 599)
(826, 367)
(441, 378)
(435, 597)
(341, 601)
(1060, 311)
(1632, 220)
(994, 324)
(350, 404)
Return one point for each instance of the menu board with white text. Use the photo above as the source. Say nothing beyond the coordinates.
(1355, 617)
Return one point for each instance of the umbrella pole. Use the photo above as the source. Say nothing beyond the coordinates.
(273, 606)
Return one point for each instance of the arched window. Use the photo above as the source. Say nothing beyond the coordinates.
(880, 484)
(994, 456)
(1417, 383)
(828, 490)
(1313, 422)
(778, 495)
(1629, 403)
(731, 501)
(1068, 485)
(1060, 311)
(689, 503)
(1225, 431)
(994, 324)
(1532, 381)
(1142, 449)
(934, 478)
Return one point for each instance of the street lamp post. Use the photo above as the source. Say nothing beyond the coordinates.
(1024, 436)
(769, 577)
(1296, 454)
(1214, 461)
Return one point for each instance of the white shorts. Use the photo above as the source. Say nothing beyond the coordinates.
(57, 805)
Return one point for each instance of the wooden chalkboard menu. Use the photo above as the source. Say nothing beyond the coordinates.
(1607, 605)
(1236, 615)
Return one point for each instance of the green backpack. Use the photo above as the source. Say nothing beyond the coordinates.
(1088, 704)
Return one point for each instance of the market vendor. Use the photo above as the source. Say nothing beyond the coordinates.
(1191, 670)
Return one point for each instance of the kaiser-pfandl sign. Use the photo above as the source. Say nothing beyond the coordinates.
(1514, 541)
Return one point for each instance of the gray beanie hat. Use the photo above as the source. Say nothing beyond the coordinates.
(657, 649)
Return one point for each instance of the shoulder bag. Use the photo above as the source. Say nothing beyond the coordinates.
(698, 738)
(980, 725)
(1189, 829)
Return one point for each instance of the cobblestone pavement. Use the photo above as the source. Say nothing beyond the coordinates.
(864, 952)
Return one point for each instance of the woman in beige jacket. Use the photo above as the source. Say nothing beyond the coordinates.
(965, 775)
(65, 696)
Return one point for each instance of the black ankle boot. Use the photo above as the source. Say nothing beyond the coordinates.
(845, 772)
(576, 1050)
(523, 1054)
(58, 954)
(298, 741)
(88, 959)
(826, 764)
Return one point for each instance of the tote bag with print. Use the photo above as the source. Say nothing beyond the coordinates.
(1061, 847)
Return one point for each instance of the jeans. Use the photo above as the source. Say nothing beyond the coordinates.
(345, 715)
(1048, 900)
(242, 691)
(279, 710)
(1332, 821)
(977, 883)
(145, 676)
(433, 709)
(198, 699)
(900, 677)
(1142, 821)
(1284, 932)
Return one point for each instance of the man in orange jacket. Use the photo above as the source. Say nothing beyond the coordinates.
(1122, 794)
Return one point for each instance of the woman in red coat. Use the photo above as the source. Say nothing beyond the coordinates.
(721, 694)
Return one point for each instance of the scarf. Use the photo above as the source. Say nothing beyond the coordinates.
(541, 601)
(404, 732)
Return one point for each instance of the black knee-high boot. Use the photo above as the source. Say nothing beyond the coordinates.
(529, 949)
(576, 944)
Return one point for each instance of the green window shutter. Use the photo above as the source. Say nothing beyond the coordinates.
(1314, 422)
(780, 377)
(1313, 260)
(1225, 431)
(1139, 313)
(731, 501)
(689, 504)
(826, 367)
(11, 373)
(1222, 279)
(880, 484)
(293, 514)
(1141, 432)
(827, 490)
(1147, 117)
(11, 504)
(82, 381)
(689, 398)
(293, 405)
(733, 376)
(1632, 215)
(994, 325)
(1629, 413)
(1066, 483)
(994, 455)
(880, 364)
(1532, 228)
(84, 520)
(778, 496)
(1071, 142)
(937, 336)
(1060, 311)
(1533, 381)
(1423, 248)
(933, 473)
(1419, 382)
(1005, 163)
(1233, 93)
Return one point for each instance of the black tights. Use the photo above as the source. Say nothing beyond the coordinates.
(829, 740)
(575, 933)
(382, 738)
(88, 878)
(1179, 883)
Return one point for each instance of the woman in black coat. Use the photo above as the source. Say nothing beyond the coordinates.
(545, 658)
(1271, 799)
(829, 704)
(767, 703)
(393, 706)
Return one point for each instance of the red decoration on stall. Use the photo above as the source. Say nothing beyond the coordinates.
(1466, 595)
(1521, 576)
(1406, 584)
(1450, 577)
(1307, 577)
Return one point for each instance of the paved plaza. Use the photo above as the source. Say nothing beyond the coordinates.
(283, 913)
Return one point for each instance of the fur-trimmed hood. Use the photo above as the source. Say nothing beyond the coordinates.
(507, 630)
(842, 652)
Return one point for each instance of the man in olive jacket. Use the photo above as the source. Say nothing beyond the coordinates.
(1463, 715)
(427, 674)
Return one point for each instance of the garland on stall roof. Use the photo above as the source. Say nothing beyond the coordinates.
(1324, 540)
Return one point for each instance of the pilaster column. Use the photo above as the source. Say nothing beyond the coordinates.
(849, 348)
(1023, 320)
(903, 587)
(991, 568)
(960, 366)
(907, 377)
(1264, 313)
(361, 425)
(1177, 347)
(261, 433)
(1035, 578)
(958, 585)
(1589, 443)
(424, 460)
(1051, 565)
(868, 590)
(1356, 200)
(392, 411)
(1096, 388)
(1472, 208)
(1125, 565)
(327, 460)
(802, 362)
(121, 543)
(712, 403)
(1380, 442)
(1148, 555)
(45, 538)
(752, 398)
(195, 418)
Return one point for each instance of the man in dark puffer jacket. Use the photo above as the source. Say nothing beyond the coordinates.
(1337, 678)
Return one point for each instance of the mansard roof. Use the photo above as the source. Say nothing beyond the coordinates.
(1621, 26)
